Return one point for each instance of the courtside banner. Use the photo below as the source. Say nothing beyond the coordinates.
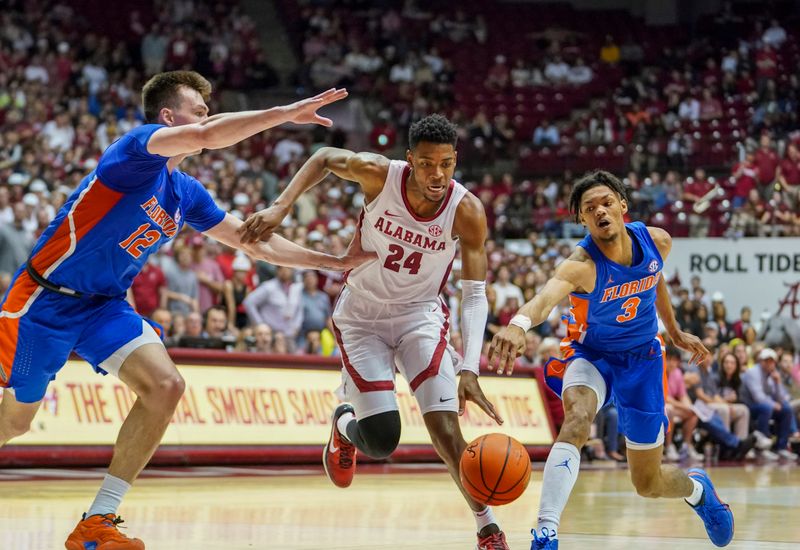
(232, 405)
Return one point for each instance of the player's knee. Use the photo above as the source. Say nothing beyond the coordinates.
(172, 388)
(380, 434)
(647, 486)
(14, 426)
(576, 428)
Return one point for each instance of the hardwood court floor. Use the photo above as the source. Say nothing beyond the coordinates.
(411, 508)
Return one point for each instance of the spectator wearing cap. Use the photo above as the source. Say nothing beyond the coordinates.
(764, 393)
(237, 289)
(277, 303)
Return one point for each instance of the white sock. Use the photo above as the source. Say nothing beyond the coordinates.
(483, 518)
(697, 493)
(342, 423)
(109, 497)
(560, 474)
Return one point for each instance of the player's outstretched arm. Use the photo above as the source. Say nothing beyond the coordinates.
(471, 229)
(280, 251)
(574, 273)
(367, 169)
(225, 129)
(683, 340)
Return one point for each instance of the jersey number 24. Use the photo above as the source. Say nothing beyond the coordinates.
(411, 262)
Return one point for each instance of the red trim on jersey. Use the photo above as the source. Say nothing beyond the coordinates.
(404, 179)
(93, 206)
(358, 228)
(436, 361)
(363, 386)
(446, 275)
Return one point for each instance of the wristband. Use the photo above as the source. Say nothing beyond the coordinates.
(522, 321)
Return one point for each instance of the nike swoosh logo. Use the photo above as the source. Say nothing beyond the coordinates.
(387, 213)
(332, 448)
(443, 400)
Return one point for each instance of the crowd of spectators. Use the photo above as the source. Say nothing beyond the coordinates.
(67, 91)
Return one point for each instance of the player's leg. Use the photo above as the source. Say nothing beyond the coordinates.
(583, 393)
(15, 416)
(369, 420)
(429, 365)
(639, 394)
(121, 343)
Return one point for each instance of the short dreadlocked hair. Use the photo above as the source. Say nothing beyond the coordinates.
(433, 129)
(594, 179)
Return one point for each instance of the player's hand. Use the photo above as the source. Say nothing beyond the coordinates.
(305, 111)
(260, 225)
(355, 255)
(506, 346)
(470, 390)
(694, 345)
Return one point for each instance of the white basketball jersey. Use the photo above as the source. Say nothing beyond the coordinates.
(415, 254)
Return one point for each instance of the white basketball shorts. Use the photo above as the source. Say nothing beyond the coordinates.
(377, 339)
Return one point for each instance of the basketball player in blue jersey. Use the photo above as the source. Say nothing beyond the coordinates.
(70, 294)
(612, 352)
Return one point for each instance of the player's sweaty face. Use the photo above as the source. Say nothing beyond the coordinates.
(433, 166)
(602, 210)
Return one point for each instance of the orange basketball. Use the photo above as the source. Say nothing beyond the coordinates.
(495, 469)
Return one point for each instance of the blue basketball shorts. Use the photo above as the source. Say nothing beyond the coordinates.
(39, 329)
(634, 380)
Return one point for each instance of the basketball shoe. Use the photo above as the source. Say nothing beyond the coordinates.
(495, 541)
(100, 533)
(716, 515)
(546, 542)
(339, 456)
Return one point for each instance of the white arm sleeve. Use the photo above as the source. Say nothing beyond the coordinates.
(474, 311)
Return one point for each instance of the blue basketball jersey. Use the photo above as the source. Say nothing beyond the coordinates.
(620, 313)
(123, 211)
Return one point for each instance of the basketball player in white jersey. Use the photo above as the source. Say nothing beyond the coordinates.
(389, 313)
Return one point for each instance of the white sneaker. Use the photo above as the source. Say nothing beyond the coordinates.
(766, 454)
(751, 455)
(787, 454)
(762, 441)
(671, 453)
(693, 455)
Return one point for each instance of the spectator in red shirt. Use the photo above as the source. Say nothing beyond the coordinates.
(696, 187)
(789, 170)
(710, 107)
(766, 65)
(147, 288)
(766, 160)
(745, 173)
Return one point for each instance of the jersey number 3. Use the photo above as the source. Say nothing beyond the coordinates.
(140, 239)
(631, 308)
(411, 262)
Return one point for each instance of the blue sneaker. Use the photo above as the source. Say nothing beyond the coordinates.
(547, 541)
(716, 515)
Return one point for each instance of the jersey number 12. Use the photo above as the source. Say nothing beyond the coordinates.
(411, 262)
